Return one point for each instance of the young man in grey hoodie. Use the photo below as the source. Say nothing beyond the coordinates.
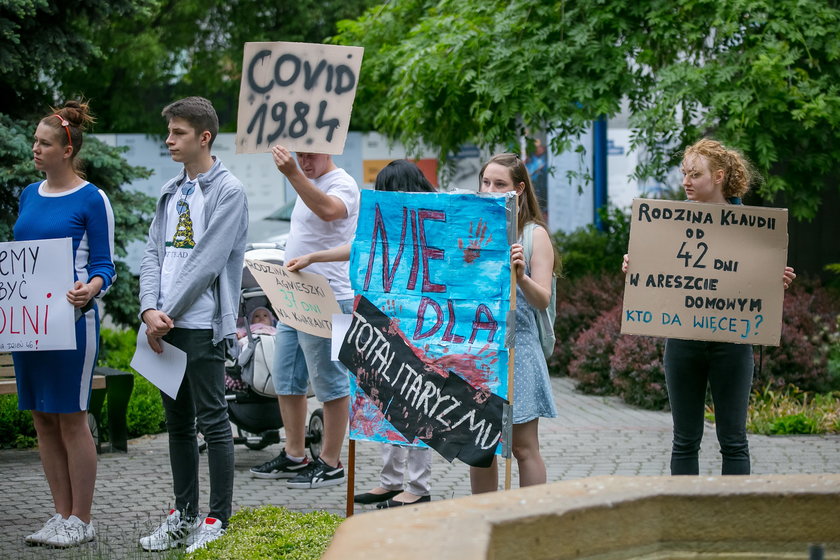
(190, 278)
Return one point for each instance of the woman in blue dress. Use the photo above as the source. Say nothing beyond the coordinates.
(56, 385)
(532, 397)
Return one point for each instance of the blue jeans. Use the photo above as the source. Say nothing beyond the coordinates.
(201, 399)
(728, 370)
(300, 357)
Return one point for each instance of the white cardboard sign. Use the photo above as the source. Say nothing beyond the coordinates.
(35, 277)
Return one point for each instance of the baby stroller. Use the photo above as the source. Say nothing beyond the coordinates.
(253, 409)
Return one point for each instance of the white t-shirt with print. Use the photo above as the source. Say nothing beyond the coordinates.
(185, 225)
(310, 233)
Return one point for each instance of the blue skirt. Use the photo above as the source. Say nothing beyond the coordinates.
(59, 381)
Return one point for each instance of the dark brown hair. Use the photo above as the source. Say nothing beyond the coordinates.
(197, 111)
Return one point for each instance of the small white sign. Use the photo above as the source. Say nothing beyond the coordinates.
(165, 370)
(341, 324)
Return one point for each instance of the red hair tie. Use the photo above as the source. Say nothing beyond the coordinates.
(66, 126)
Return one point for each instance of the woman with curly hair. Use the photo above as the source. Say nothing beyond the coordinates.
(712, 173)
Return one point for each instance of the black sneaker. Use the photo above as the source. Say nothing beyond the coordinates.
(317, 475)
(280, 467)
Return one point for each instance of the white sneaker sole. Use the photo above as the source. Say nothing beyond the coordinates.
(161, 548)
(321, 484)
(273, 476)
(69, 544)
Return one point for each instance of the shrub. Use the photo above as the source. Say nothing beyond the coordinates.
(272, 532)
(792, 411)
(794, 424)
(833, 362)
(579, 303)
(16, 428)
(637, 371)
(589, 251)
(591, 283)
(592, 351)
(116, 348)
(809, 333)
(145, 409)
(607, 362)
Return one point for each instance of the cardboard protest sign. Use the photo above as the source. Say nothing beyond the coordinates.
(705, 272)
(302, 300)
(299, 95)
(35, 277)
(417, 397)
(437, 266)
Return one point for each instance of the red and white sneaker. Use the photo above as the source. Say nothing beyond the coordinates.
(175, 531)
(209, 531)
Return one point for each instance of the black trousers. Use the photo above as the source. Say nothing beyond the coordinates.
(727, 369)
(201, 400)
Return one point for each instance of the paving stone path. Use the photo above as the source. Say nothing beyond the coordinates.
(592, 436)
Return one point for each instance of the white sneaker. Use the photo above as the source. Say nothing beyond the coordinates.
(210, 530)
(48, 530)
(73, 532)
(172, 533)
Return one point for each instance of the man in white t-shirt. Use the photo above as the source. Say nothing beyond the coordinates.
(324, 217)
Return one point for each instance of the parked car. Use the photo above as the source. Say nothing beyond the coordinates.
(274, 228)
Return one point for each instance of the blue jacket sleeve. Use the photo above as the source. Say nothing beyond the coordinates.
(100, 233)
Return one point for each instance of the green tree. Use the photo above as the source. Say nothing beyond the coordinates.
(761, 75)
(104, 167)
(42, 40)
(43, 45)
(175, 48)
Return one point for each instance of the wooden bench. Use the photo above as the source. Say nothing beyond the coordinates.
(114, 384)
(8, 385)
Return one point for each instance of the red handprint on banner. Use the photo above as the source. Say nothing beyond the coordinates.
(476, 242)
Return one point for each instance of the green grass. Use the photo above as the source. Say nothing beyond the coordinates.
(275, 533)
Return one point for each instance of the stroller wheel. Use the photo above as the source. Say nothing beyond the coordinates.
(315, 433)
(250, 440)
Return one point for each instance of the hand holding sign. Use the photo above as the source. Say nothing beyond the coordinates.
(284, 160)
(81, 294)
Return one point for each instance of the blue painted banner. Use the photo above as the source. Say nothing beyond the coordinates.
(438, 266)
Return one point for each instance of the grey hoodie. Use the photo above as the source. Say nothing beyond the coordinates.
(217, 259)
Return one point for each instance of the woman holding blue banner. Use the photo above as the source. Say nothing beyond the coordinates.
(712, 173)
(532, 397)
(406, 471)
(56, 385)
